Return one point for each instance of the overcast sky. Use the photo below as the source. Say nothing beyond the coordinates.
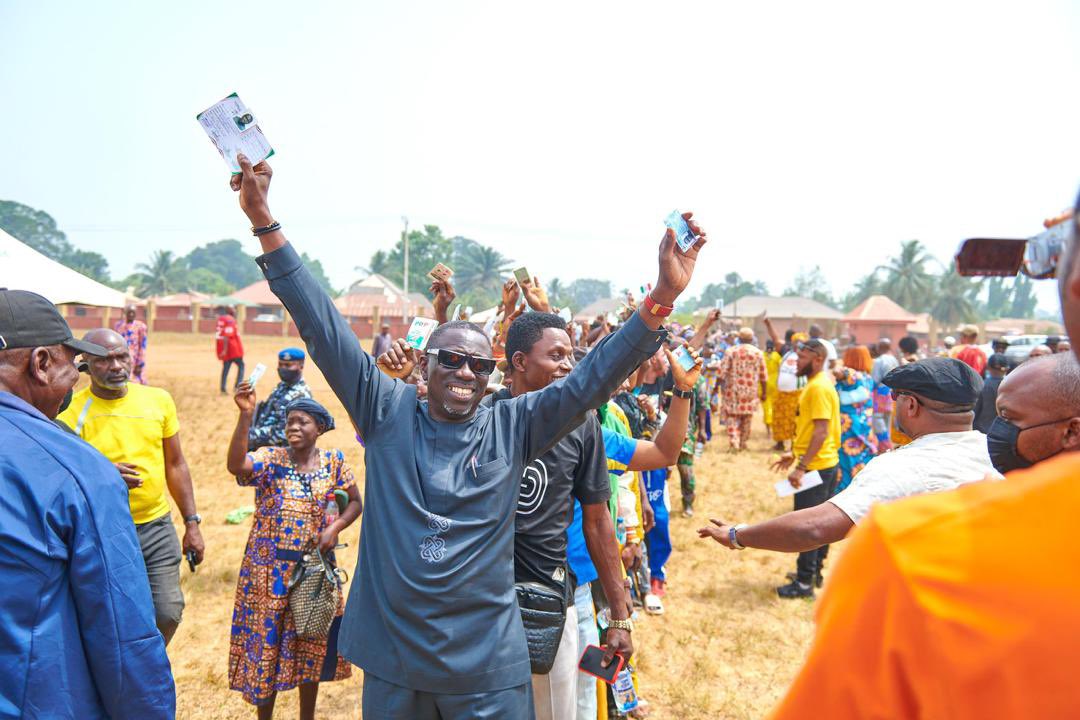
(562, 133)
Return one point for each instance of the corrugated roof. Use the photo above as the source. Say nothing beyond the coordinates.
(880, 308)
(780, 308)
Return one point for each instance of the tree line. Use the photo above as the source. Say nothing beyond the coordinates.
(912, 278)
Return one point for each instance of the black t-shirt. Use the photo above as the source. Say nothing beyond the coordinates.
(986, 405)
(575, 466)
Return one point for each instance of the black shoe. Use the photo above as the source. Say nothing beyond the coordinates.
(818, 579)
(795, 589)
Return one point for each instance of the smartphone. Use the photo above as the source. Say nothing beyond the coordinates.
(590, 663)
(191, 559)
(522, 276)
(256, 374)
(684, 237)
(684, 358)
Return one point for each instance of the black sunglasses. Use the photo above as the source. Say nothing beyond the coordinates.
(454, 360)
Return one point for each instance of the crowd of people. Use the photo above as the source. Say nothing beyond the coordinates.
(517, 506)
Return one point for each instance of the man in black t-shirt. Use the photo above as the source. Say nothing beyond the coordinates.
(539, 352)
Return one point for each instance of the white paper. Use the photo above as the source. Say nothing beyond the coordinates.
(809, 480)
(224, 123)
(420, 331)
(256, 374)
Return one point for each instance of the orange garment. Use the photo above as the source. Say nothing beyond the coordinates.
(955, 605)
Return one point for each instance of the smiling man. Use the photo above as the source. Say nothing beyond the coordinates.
(432, 616)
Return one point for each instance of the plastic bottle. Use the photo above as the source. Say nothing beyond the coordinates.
(699, 449)
(623, 690)
(331, 515)
(620, 531)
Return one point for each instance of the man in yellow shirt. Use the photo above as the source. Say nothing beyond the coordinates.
(961, 604)
(816, 450)
(136, 428)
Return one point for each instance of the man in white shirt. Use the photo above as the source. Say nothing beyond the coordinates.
(830, 350)
(935, 404)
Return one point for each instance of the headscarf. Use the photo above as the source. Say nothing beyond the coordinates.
(857, 357)
(320, 414)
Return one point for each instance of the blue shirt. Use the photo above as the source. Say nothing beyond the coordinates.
(619, 449)
(77, 632)
(432, 606)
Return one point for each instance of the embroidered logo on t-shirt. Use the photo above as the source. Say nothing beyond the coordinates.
(433, 547)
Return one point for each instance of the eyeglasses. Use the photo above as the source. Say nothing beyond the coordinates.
(454, 360)
(897, 393)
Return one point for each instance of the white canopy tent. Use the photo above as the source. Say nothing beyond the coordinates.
(23, 268)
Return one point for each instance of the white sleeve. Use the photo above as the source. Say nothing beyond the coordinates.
(883, 479)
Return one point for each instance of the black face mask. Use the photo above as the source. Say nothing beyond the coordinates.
(288, 376)
(66, 401)
(1001, 444)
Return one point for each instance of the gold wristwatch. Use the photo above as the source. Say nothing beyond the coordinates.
(627, 625)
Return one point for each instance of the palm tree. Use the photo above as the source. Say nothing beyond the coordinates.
(157, 276)
(952, 301)
(907, 281)
(557, 292)
(481, 270)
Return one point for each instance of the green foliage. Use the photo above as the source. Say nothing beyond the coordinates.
(1023, 300)
(869, 285)
(952, 303)
(207, 281)
(163, 275)
(733, 288)
(425, 250)
(316, 269)
(811, 284)
(479, 271)
(38, 229)
(226, 258)
(907, 281)
(584, 291)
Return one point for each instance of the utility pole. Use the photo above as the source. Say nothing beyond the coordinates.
(405, 241)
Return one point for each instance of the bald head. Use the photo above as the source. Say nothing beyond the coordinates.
(109, 373)
(1042, 389)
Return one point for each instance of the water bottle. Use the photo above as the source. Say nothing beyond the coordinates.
(623, 690)
(699, 449)
(331, 515)
(620, 531)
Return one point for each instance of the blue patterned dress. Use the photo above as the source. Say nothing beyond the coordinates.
(265, 654)
(857, 442)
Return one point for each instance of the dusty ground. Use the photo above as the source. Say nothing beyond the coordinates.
(726, 647)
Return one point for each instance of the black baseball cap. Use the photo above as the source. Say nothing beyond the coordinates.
(29, 320)
(944, 380)
(999, 361)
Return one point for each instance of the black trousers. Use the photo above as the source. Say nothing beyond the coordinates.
(809, 563)
(239, 362)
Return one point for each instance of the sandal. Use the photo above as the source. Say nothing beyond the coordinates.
(653, 606)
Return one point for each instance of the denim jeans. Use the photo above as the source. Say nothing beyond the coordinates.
(239, 362)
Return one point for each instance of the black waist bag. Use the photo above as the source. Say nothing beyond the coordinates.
(543, 613)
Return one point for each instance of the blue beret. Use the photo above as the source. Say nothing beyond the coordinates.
(291, 354)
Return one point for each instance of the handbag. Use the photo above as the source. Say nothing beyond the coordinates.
(543, 613)
(314, 594)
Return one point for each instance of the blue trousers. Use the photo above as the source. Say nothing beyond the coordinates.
(658, 539)
(387, 701)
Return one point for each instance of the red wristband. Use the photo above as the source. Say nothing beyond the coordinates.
(656, 308)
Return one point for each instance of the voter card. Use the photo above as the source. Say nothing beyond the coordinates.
(233, 129)
(256, 374)
(809, 480)
(684, 358)
(684, 237)
(419, 332)
(522, 276)
(566, 315)
(440, 272)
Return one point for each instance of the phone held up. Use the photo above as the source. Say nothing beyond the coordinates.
(590, 663)
(191, 561)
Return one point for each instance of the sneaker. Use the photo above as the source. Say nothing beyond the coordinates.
(795, 589)
(656, 587)
(818, 579)
(688, 512)
(653, 606)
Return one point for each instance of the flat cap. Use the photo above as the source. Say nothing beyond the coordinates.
(945, 380)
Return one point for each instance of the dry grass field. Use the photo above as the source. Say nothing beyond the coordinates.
(726, 647)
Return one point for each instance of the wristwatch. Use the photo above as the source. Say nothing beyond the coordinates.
(196, 518)
(733, 536)
(627, 625)
(684, 394)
